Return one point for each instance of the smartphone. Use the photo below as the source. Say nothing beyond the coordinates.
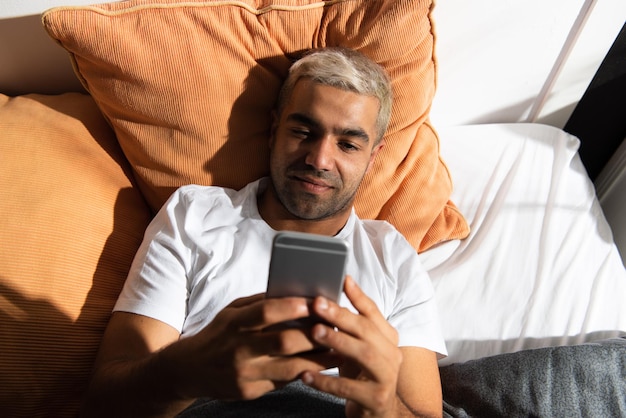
(307, 265)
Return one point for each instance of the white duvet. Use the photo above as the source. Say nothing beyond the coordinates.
(540, 267)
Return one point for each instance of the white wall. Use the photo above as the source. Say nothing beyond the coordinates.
(519, 60)
(19, 8)
(30, 62)
(601, 27)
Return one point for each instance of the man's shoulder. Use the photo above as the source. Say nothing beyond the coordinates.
(202, 208)
(377, 227)
(207, 206)
(213, 194)
(382, 232)
(193, 191)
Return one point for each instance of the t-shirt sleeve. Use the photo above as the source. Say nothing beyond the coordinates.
(415, 312)
(157, 281)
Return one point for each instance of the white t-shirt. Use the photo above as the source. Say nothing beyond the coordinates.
(209, 246)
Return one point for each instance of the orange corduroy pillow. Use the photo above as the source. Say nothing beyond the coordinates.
(189, 86)
(71, 223)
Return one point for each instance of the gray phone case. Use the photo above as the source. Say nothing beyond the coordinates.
(307, 265)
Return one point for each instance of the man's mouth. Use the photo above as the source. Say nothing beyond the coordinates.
(312, 184)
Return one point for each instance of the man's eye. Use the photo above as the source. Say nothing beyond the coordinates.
(348, 146)
(300, 133)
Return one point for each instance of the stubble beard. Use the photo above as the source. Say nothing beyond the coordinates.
(309, 206)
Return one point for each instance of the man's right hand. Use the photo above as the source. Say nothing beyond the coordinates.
(245, 360)
(145, 369)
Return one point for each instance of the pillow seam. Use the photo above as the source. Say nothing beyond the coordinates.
(258, 12)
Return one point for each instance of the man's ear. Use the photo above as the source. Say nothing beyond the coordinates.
(375, 150)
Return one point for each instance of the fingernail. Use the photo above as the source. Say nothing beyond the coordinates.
(349, 282)
(322, 303)
(320, 331)
(307, 378)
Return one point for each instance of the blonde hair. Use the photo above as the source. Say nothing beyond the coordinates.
(345, 69)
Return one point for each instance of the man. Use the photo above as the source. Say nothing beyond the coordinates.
(192, 319)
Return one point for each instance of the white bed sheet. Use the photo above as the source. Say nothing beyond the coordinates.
(540, 267)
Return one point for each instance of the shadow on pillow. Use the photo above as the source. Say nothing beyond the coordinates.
(71, 223)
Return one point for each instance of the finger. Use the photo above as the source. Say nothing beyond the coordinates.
(264, 312)
(292, 367)
(286, 369)
(377, 357)
(247, 300)
(375, 354)
(363, 304)
(345, 320)
(283, 342)
(368, 308)
(369, 395)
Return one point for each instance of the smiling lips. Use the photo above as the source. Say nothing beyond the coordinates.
(312, 184)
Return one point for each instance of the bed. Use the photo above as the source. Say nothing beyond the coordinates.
(526, 270)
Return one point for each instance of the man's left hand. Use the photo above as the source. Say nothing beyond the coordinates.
(369, 377)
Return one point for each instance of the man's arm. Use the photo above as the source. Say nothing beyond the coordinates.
(419, 384)
(127, 379)
(144, 369)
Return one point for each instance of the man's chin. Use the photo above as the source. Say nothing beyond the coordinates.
(308, 212)
(309, 215)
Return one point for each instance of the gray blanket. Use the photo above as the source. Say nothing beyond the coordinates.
(295, 400)
(587, 380)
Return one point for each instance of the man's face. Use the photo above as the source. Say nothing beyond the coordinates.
(321, 147)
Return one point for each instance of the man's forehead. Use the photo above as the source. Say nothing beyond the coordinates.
(306, 90)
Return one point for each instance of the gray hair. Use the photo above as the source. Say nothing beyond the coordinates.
(345, 69)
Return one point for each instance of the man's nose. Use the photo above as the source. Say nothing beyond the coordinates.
(320, 154)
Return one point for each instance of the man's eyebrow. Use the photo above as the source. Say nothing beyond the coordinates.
(354, 133)
(342, 131)
(302, 118)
